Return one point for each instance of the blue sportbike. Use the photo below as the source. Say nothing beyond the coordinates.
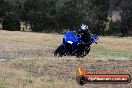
(74, 45)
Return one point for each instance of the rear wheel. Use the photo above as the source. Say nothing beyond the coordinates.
(59, 51)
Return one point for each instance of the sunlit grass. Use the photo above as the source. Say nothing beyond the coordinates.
(34, 77)
(110, 53)
(49, 71)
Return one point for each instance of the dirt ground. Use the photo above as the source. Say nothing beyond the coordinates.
(38, 48)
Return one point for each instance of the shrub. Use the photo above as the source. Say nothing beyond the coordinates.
(11, 23)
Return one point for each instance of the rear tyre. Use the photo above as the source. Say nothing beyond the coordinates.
(59, 51)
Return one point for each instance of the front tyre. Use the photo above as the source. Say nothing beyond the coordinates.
(80, 55)
(87, 50)
(59, 51)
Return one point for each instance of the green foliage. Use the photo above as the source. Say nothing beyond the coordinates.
(56, 15)
(126, 22)
(40, 14)
(70, 14)
(101, 9)
(4, 8)
(11, 23)
(114, 27)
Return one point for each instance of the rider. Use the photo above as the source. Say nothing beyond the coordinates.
(85, 37)
(85, 33)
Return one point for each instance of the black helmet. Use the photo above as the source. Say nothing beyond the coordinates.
(84, 27)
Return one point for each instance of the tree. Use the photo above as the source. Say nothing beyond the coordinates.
(101, 13)
(70, 14)
(126, 22)
(11, 23)
(4, 8)
(38, 13)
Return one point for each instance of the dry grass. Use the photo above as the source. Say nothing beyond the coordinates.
(34, 65)
(117, 43)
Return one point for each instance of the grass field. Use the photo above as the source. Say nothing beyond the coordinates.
(27, 61)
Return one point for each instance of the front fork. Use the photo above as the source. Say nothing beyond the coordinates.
(68, 48)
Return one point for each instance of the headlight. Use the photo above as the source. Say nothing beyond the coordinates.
(70, 42)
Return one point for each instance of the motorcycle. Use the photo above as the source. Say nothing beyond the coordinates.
(74, 45)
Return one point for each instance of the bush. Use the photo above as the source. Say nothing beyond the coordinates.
(11, 23)
(114, 28)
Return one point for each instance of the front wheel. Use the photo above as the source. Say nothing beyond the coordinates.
(59, 51)
(80, 55)
(87, 50)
